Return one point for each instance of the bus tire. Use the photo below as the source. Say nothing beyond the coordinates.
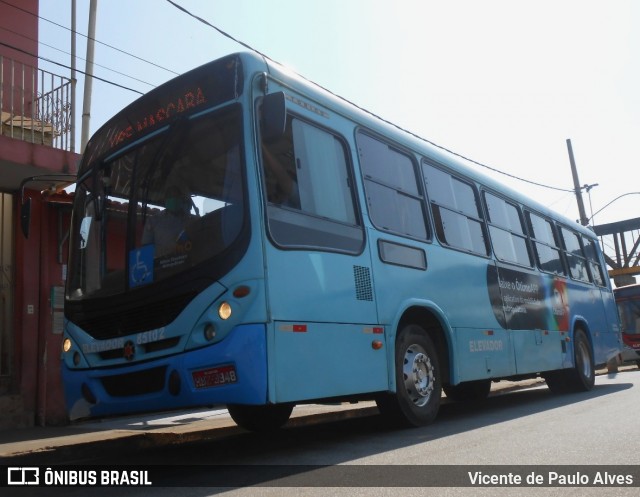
(470, 391)
(262, 418)
(418, 382)
(579, 378)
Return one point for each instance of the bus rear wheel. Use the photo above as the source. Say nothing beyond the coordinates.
(260, 418)
(418, 382)
(582, 376)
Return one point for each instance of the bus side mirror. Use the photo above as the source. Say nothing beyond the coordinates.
(274, 116)
(25, 216)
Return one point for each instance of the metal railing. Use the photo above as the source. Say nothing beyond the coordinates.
(35, 105)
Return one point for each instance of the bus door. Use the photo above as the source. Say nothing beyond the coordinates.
(324, 338)
(589, 296)
(607, 339)
(484, 347)
(610, 342)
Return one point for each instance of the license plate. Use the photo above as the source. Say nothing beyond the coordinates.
(214, 377)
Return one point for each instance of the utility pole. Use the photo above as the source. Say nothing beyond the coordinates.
(73, 77)
(576, 184)
(88, 78)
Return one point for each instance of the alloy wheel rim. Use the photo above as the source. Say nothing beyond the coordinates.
(418, 374)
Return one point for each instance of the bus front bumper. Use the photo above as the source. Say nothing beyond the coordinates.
(229, 372)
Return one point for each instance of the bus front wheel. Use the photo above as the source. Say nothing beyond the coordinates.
(418, 382)
(260, 418)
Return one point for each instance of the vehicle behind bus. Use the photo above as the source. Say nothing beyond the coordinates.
(628, 301)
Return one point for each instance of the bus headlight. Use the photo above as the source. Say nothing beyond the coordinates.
(224, 311)
(66, 345)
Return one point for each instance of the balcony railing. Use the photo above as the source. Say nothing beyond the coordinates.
(35, 105)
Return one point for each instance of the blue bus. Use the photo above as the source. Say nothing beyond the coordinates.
(242, 237)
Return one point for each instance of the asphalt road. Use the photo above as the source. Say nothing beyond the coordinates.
(528, 433)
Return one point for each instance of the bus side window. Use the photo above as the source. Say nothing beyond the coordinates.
(309, 192)
(595, 266)
(456, 211)
(306, 169)
(575, 255)
(507, 231)
(323, 176)
(280, 170)
(393, 197)
(546, 246)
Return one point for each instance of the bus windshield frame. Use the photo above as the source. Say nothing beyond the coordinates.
(160, 208)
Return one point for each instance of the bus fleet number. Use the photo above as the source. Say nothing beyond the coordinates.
(150, 336)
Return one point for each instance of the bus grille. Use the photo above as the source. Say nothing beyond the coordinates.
(140, 383)
(150, 317)
(146, 348)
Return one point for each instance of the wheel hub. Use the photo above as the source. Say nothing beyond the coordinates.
(418, 375)
(583, 360)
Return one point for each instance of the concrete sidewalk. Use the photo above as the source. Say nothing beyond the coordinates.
(71, 443)
(42, 445)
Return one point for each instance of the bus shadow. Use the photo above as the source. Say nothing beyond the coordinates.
(453, 418)
(302, 454)
(528, 401)
(305, 453)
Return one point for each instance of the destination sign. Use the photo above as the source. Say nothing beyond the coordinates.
(206, 86)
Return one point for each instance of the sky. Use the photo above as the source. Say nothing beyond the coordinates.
(502, 82)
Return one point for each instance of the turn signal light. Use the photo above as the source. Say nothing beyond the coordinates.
(241, 292)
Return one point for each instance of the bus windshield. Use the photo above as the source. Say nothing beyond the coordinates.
(630, 316)
(162, 205)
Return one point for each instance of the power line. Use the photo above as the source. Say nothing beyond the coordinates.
(227, 35)
(68, 67)
(67, 53)
(85, 36)
(223, 33)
